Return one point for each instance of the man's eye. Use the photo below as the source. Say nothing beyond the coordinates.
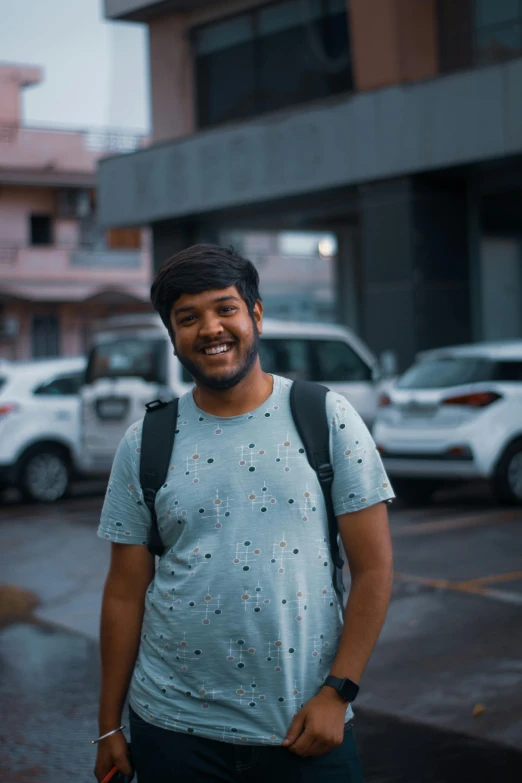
(228, 309)
(186, 319)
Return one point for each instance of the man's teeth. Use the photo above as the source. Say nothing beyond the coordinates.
(217, 349)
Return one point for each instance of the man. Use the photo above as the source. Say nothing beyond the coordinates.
(228, 643)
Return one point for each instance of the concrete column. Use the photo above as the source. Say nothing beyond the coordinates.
(168, 238)
(171, 77)
(416, 283)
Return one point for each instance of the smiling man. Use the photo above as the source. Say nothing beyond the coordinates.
(239, 662)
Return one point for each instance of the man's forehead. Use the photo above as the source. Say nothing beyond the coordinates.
(207, 298)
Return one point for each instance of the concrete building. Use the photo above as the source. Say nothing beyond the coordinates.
(58, 271)
(395, 124)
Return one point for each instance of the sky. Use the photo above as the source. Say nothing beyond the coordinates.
(95, 72)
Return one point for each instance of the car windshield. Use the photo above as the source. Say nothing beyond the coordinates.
(129, 358)
(447, 371)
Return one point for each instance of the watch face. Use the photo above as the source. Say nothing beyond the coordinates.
(349, 690)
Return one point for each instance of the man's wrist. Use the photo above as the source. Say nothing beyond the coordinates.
(331, 694)
(109, 722)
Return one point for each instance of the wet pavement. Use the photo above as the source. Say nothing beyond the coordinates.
(451, 643)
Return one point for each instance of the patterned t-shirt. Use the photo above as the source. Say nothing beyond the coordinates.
(241, 620)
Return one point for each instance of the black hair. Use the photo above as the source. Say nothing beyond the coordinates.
(203, 268)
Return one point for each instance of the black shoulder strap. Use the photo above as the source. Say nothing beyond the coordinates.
(308, 405)
(157, 442)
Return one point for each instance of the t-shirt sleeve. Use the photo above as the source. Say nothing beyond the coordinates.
(359, 476)
(125, 519)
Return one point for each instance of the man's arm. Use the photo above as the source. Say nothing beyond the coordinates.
(130, 573)
(319, 726)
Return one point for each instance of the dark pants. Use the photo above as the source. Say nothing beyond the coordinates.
(165, 756)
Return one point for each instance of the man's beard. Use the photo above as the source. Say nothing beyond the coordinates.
(224, 382)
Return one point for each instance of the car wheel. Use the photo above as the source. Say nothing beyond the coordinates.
(44, 474)
(414, 491)
(507, 483)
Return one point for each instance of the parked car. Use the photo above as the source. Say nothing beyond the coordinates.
(132, 363)
(40, 426)
(456, 414)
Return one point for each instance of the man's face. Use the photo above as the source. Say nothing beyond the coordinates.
(215, 337)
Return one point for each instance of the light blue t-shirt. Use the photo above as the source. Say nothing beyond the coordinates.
(241, 620)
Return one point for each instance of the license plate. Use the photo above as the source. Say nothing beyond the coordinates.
(112, 408)
(419, 411)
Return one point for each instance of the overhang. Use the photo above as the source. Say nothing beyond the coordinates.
(460, 119)
(144, 10)
(50, 177)
(43, 292)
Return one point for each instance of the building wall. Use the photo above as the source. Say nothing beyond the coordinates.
(393, 41)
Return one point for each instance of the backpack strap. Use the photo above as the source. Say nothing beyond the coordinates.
(308, 406)
(157, 442)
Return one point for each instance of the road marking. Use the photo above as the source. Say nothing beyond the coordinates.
(514, 576)
(423, 528)
(472, 587)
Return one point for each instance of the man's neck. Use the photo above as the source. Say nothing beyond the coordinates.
(248, 395)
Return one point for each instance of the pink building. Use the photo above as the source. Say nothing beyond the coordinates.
(59, 272)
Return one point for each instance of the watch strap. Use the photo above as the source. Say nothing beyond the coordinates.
(346, 688)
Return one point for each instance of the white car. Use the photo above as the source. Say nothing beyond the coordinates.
(132, 363)
(40, 426)
(456, 414)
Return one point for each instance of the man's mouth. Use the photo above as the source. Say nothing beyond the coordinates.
(217, 349)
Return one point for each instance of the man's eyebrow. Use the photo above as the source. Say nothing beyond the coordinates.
(190, 308)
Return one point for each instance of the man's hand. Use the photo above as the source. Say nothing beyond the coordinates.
(112, 752)
(319, 726)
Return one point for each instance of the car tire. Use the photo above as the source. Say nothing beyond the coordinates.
(412, 491)
(44, 473)
(507, 482)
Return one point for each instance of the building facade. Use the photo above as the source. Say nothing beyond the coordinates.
(394, 124)
(59, 272)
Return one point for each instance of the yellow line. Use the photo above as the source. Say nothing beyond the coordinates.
(490, 580)
(473, 587)
(422, 528)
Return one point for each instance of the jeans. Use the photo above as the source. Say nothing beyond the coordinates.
(165, 756)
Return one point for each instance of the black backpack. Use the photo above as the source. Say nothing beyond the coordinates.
(308, 405)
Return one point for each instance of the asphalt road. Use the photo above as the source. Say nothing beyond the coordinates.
(441, 700)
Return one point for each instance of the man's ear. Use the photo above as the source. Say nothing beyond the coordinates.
(257, 314)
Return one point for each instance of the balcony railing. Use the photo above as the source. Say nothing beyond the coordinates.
(97, 140)
(56, 258)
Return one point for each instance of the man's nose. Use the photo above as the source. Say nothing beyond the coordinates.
(210, 325)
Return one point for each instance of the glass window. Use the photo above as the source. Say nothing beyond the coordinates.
(449, 371)
(508, 371)
(336, 361)
(492, 45)
(289, 358)
(290, 52)
(498, 30)
(129, 358)
(226, 85)
(64, 385)
(490, 12)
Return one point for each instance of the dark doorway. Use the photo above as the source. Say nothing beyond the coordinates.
(41, 230)
(45, 336)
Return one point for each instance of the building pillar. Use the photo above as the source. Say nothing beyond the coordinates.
(415, 278)
(168, 238)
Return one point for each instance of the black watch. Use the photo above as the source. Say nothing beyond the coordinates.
(347, 689)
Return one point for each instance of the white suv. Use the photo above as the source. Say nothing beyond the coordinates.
(40, 426)
(456, 414)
